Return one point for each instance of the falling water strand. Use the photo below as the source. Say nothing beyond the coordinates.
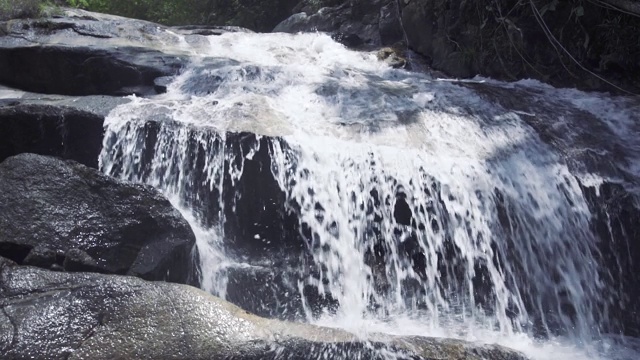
(419, 201)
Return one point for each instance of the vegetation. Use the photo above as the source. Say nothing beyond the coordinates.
(254, 14)
(169, 12)
(565, 42)
(10, 9)
(568, 42)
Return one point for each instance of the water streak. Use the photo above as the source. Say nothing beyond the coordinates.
(426, 208)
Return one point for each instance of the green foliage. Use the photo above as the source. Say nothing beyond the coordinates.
(571, 41)
(11, 9)
(254, 14)
(78, 3)
(17, 9)
(169, 12)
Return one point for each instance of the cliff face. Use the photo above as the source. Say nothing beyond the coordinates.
(592, 45)
(567, 43)
(564, 43)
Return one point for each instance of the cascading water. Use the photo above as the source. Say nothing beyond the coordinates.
(420, 207)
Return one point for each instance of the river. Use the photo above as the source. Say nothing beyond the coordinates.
(391, 201)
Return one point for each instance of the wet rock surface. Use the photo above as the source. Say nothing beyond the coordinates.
(54, 315)
(260, 227)
(228, 177)
(63, 215)
(85, 53)
(514, 40)
(66, 127)
(357, 24)
(589, 146)
(505, 40)
(616, 219)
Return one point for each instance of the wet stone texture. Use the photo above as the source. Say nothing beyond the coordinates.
(61, 214)
(616, 219)
(84, 55)
(50, 130)
(55, 315)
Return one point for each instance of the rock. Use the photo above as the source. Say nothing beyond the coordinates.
(83, 53)
(506, 41)
(258, 288)
(272, 291)
(64, 206)
(389, 25)
(160, 84)
(392, 57)
(425, 24)
(259, 16)
(207, 30)
(79, 260)
(357, 23)
(6, 262)
(616, 220)
(53, 315)
(293, 24)
(65, 127)
(41, 257)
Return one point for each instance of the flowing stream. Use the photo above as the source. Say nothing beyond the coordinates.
(420, 206)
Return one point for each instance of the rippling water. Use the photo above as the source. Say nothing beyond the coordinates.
(427, 206)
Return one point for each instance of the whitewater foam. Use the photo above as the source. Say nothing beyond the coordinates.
(497, 246)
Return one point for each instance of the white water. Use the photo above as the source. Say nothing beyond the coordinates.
(495, 211)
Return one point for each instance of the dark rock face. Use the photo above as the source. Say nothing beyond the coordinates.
(60, 126)
(255, 208)
(272, 291)
(85, 55)
(258, 289)
(84, 71)
(256, 223)
(51, 130)
(423, 24)
(356, 23)
(616, 220)
(503, 40)
(259, 230)
(55, 315)
(90, 221)
(506, 40)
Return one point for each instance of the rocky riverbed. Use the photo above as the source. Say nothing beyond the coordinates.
(102, 222)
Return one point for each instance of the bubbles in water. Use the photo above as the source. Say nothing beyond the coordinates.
(426, 209)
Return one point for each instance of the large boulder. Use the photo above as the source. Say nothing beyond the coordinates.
(509, 40)
(53, 315)
(616, 219)
(85, 53)
(355, 23)
(253, 14)
(555, 42)
(63, 215)
(66, 127)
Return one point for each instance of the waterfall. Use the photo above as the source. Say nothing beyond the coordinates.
(385, 200)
